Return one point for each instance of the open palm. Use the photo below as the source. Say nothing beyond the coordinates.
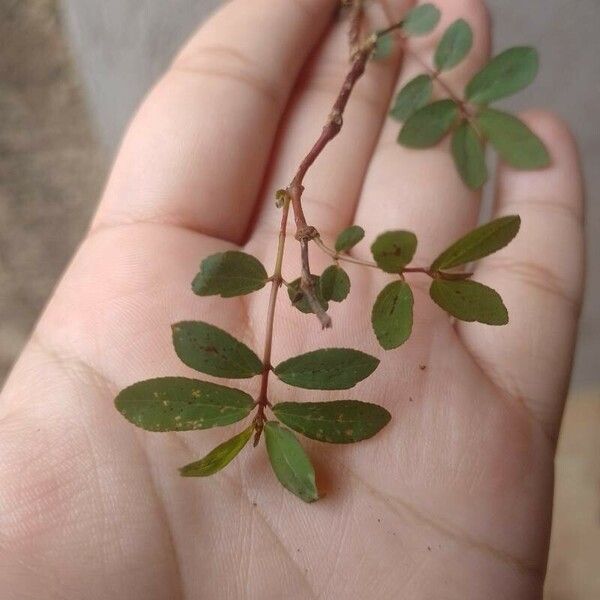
(451, 500)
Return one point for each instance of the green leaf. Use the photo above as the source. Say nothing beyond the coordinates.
(413, 96)
(290, 463)
(383, 47)
(181, 404)
(454, 45)
(213, 351)
(393, 250)
(218, 458)
(421, 20)
(327, 369)
(505, 75)
(469, 156)
(335, 284)
(513, 140)
(429, 124)
(348, 238)
(229, 274)
(336, 422)
(479, 243)
(392, 315)
(298, 298)
(469, 301)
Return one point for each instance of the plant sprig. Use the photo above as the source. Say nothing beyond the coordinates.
(183, 404)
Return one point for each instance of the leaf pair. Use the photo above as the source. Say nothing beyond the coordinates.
(332, 285)
(516, 144)
(465, 299)
(392, 314)
(180, 404)
(288, 459)
(453, 47)
(213, 351)
(427, 124)
(338, 422)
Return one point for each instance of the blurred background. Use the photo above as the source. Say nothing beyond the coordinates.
(73, 71)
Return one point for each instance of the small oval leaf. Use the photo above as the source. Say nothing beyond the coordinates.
(517, 145)
(298, 298)
(505, 75)
(413, 96)
(348, 238)
(393, 250)
(327, 369)
(429, 125)
(469, 156)
(454, 45)
(218, 458)
(392, 315)
(290, 463)
(229, 274)
(479, 243)
(181, 404)
(469, 301)
(336, 422)
(421, 20)
(335, 284)
(213, 351)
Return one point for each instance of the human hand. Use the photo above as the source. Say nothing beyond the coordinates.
(452, 499)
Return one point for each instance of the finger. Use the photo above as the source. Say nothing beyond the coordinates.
(196, 152)
(333, 184)
(540, 277)
(420, 190)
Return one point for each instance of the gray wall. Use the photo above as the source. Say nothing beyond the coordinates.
(122, 46)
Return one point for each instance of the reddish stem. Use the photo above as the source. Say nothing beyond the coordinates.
(276, 281)
(305, 233)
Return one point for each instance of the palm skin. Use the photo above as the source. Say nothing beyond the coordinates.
(451, 500)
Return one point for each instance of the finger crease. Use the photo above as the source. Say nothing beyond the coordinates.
(490, 371)
(537, 277)
(253, 82)
(449, 531)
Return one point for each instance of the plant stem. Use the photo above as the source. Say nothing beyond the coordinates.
(435, 75)
(304, 232)
(345, 257)
(391, 28)
(356, 13)
(276, 281)
(366, 263)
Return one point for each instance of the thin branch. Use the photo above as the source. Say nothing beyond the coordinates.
(391, 28)
(434, 74)
(367, 263)
(276, 281)
(304, 232)
(356, 13)
(307, 285)
(345, 257)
